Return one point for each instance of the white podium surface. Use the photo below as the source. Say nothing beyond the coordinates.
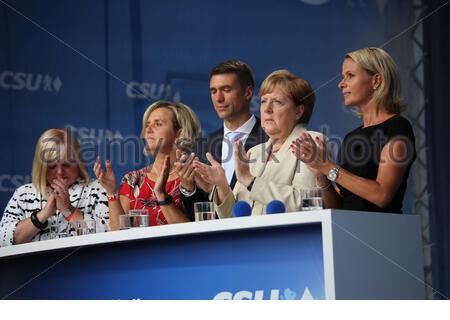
(365, 255)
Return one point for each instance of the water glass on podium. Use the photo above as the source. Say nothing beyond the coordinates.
(85, 227)
(204, 211)
(89, 227)
(124, 222)
(138, 218)
(59, 231)
(311, 199)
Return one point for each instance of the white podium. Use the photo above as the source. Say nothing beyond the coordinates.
(326, 254)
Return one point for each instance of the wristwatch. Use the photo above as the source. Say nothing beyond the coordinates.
(333, 174)
(166, 201)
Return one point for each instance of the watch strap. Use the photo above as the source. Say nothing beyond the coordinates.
(166, 201)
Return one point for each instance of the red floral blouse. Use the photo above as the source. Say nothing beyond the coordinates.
(139, 188)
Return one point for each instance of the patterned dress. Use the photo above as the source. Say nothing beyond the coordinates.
(140, 189)
(90, 198)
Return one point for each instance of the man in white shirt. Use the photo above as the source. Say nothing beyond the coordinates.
(231, 87)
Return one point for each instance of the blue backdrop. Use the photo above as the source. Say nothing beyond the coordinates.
(95, 66)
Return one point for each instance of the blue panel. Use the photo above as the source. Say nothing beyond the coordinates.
(252, 264)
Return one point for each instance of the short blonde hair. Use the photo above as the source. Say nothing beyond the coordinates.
(52, 146)
(298, 90)
(376, 60)
(183, 119)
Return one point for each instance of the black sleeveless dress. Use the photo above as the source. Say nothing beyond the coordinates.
(360, 154)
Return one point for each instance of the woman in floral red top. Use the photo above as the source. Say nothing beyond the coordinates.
(140, 189)
(156, 187)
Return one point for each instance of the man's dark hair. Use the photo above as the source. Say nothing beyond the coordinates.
(237, 67)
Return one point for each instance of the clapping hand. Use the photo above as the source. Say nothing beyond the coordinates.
(242, 160)
(106, 178)
(161, 181)
(212, 174)
(313, 152)
(185, 169)
(202, 184)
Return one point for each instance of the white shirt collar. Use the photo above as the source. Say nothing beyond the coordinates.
(246, 128)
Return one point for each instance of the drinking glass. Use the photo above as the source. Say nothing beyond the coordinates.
(138, 218)
(204, 211)
(311, 199)
(89, 227)
(79, 225)
(124, 222)
(85, 227)
(59, 231)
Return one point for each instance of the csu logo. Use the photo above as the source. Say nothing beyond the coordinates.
(29, 81)
(152, 91)
(274, 294)
(9, 183)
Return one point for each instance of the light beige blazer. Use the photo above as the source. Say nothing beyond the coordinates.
(281, 178)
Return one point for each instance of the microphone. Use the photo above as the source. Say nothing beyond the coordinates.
(241, 209)
(275, 206)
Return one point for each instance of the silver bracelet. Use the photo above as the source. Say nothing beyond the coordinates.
(187, 193)
(325, 186)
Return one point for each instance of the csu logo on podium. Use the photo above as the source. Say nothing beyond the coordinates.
(30, 81)
(273, 294)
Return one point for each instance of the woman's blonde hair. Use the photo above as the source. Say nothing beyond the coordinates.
(183, 119)
(298, 90)
(52, 146)
(376, 60)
